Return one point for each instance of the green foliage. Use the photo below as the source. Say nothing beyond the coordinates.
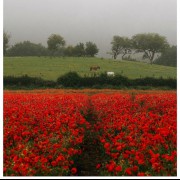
(149, 44)
(27, 81)
(6, 38)
(27, 48)
(55, 43)
(79, 50)
(91, 49)
(120, 45)
(168, 57)
(120, 80)
(155, 82)
(71, 79)
(69, 51)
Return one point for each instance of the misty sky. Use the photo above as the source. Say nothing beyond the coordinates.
(88, 20)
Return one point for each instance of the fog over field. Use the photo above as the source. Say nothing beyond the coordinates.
(89, 20)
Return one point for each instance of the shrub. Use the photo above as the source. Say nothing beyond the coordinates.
(155, 82)
(71, 79)
(27, 81)
(89, 81)
(119, 80)
(104, 79)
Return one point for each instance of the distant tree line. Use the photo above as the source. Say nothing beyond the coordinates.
(149, 44)
(56, 47)
(27, 48)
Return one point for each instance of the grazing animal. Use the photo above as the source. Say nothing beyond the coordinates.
(95, 68)
(110, 73)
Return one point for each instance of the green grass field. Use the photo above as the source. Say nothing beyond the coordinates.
(51, 68)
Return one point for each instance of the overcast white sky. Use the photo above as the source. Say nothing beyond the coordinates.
(88, 20)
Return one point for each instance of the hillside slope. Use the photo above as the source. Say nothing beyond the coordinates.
(52, 68)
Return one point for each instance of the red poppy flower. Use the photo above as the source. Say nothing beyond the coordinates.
(98, 166)
(118, 168)
(141, 174)
(54, 163)
(73, 170)
(128, 171)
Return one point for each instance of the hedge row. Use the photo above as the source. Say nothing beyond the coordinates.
(73, 80)
(27, 81)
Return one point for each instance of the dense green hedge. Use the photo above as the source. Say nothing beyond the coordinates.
(27, 81)
(73, 80)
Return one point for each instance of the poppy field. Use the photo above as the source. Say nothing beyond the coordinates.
(42, 133)
(138, 133)
(45, 133)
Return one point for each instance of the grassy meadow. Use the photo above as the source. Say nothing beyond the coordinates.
(51, 68)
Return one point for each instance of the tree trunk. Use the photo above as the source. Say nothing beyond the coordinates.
(152, 57)
(123, 56)
(114, 55)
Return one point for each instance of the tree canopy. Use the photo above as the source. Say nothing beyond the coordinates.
(168, 57)
(149, 44)
(69, 51)
(27, 48)
(79, 50)
(55, 42)
(91, 49)
(6, 38)
(120, 45)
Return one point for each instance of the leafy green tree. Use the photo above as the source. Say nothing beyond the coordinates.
(120, 45)
(27, 48)
(69, 51)
(115, 47)
(91, 49)
(79, 50)
(168, 57)
(6, 38)
(149, 44)
(55, 43)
